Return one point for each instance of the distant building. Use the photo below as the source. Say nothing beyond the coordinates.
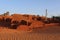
(5, 14)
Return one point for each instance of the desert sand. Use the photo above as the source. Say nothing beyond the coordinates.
(27, 27)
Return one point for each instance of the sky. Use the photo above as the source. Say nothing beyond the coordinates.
(36, 7)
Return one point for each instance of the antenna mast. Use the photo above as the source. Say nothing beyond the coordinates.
(46, 15)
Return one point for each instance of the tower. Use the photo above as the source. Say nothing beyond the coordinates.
(46, 15)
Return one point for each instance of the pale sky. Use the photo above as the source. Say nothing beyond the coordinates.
(36, 7)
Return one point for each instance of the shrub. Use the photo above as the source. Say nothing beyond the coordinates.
(23, 22)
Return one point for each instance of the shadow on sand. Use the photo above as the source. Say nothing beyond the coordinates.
(49, 30)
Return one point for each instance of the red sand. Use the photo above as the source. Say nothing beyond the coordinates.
(34, 23)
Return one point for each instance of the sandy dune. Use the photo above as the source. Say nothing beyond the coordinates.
(17, 27)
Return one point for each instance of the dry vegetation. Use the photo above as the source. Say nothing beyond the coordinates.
(27, 27)
(23, 22)
(10, 34)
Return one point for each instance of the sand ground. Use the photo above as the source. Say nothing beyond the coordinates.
(10, 34)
